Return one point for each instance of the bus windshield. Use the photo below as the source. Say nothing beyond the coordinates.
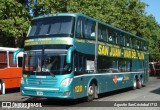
(46, 62)
(56, 25)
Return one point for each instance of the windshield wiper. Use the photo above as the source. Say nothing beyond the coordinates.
(52, 74)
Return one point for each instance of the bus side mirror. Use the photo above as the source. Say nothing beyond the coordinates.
(69, 54)
(14, 58)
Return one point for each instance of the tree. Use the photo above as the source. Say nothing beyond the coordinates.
(41, 7)
(14, 20)
(129, 15)
(152, 34)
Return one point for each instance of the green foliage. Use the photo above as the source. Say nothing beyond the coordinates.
(152, 35)
(49, 6)
(14, 20)
(128, 15)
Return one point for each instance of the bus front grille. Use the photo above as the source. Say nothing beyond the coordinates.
(41, 82)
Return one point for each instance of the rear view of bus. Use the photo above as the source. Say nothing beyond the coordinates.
(10, 71)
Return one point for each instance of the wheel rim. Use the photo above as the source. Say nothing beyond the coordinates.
(135, 83)
(91, 90)
(142, 81)
(0, 86)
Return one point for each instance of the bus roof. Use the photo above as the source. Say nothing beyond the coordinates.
(79, 14)
(8, 49)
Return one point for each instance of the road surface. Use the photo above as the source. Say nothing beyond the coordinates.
(126, 97)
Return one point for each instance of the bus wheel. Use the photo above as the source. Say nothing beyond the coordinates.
(139, 83)
(91, 92)
(2, 87)
(135, 83)
(142, 82)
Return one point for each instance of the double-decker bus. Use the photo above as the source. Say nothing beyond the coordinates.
(10, 72)
(71, 55)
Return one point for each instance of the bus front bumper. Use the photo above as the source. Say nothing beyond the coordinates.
(47, 92)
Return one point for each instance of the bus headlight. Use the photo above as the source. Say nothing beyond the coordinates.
(22, 80)
(66, 81)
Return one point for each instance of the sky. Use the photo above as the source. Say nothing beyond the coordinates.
(153, 8)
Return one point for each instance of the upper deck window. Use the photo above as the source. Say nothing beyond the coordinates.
(102, 33)
(85, 28)
(120, 39)
(112, 36)
(57, 26)
(89, 29)
(79, 28)
(128, 41)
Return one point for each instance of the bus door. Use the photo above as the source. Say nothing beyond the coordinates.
(124, 68)
(117, 70)
(79, 68)
(19, 59)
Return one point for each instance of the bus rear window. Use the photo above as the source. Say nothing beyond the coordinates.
(3, 60)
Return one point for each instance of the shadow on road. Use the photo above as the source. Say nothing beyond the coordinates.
(13, 90)
(72, 103)
(115, 92)
(75, 102)
(57, 102)
(156, 91)
(158, 77)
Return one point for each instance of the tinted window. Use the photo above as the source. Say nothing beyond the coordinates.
(105, 64)
(11, 64)
(47, 62)
(127, 41)
(89, 29)
(79, 29)
(124, 65)
(112, 36)
(52, 26)
(120, 39)
(102, 33)
(134, 41)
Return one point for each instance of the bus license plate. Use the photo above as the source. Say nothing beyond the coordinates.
(39, 93)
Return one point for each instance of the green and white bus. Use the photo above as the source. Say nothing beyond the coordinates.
(71, 55)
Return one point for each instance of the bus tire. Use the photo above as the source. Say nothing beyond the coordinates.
(2, 87)
(134, 84)
(91, 92)
(142, 82)
(139, 83)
